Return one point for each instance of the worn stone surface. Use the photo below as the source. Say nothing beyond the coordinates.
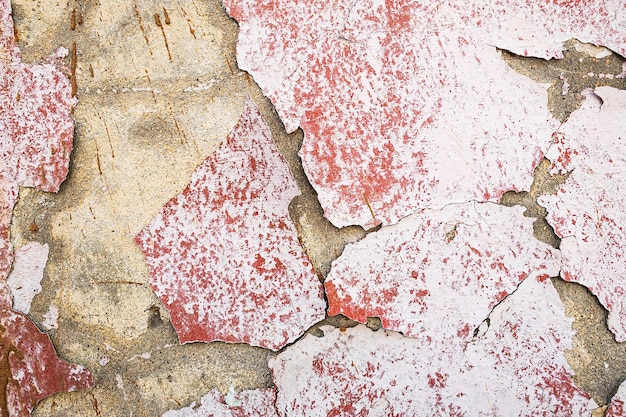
(124, 337)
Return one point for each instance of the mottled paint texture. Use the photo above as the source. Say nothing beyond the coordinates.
(588, 210)
(514, 365)
(407, 104)
(29, 367)
(35, 142)
(253, 403)
(461, 260)
(224, 256)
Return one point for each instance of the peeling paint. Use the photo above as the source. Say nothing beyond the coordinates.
(253, 403)
(407, 105)
(587, 211)
(514, 366)
(224, 256)
(36, 133)
(24, 281)
(617, 408)
(448, 267)
(29, 367)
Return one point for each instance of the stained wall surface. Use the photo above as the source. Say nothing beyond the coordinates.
(159, 89)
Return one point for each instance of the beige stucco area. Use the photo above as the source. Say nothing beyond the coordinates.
(159, 89)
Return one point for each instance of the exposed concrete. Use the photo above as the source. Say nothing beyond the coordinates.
(146, 119)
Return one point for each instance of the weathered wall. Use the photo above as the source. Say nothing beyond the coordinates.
(159, 89)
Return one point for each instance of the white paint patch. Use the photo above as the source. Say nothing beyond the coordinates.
(517, 367)
(51, 318)
(588, 210)
(407, 105)
(24, 281)
(255, 403)
(449, 267)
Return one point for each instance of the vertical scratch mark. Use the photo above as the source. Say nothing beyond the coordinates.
(108, 136)
(73, 20)
(191, 29)
(369, 206)
(183, 138)
(141, 26)
(92, 213)
(157, 20)
(230, 68)
(98, 157)
(73, 69)
(167, 17)
(91, 71)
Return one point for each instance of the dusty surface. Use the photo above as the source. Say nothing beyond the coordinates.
(155, 99)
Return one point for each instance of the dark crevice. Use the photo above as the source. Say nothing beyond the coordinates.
(570, 76)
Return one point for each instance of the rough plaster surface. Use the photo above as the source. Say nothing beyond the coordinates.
(587, 211)
(255, 403)
(224, 256)
(513, 366)
(399, 116)
(461, 260)
(135, 148)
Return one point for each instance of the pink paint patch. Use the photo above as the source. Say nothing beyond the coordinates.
(31, 370)
(254, 403)
(588, 210)
(449, 267)
(515, 365)
(223, 255)
(36, 129)
(407, 104)
(617, 408)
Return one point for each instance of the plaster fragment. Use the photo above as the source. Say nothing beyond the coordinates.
(51, 318)
(587, 211)
(24, 281)
(253, 403)
(31, 369)
(449, 267)
(224, 256)
(517, 367)
(407, 104)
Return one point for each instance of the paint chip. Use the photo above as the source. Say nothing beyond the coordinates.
(253, 403)
(416, 273)
(32, 370)
(25, 279)
(224, 256)
(587, 211)
(408, 105)
(517, 367)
